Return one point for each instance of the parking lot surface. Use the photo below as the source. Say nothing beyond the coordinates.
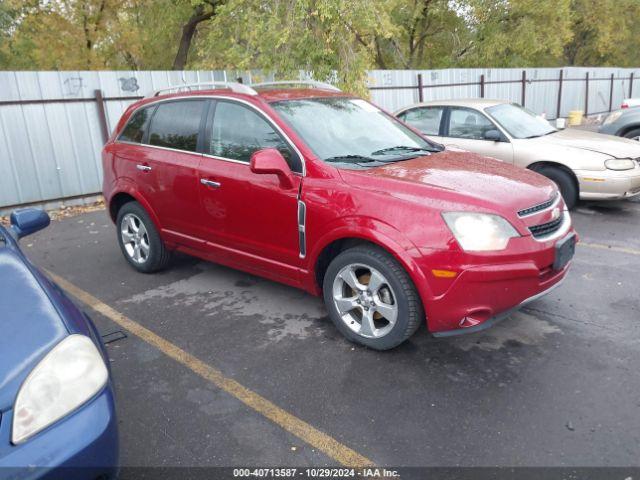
(557, 384)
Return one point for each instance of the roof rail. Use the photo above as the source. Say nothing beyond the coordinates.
(309, 83)
(233, 86)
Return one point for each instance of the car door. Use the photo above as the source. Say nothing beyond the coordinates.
(466, 128)
(427, 120)
(132, 156)
(169, 172)
(251, 217)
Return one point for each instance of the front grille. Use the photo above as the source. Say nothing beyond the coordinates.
(545, 229)
(537, 208)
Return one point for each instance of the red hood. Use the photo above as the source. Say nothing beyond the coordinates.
(488, 181)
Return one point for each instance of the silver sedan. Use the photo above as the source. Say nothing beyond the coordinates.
(583, 164)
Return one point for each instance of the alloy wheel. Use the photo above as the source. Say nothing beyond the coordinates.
(135, 238)
(365, 300)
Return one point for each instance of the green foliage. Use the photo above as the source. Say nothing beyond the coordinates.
(517, 33)
(605, 33)
(320, 36)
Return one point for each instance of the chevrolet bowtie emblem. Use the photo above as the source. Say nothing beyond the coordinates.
(555, 213)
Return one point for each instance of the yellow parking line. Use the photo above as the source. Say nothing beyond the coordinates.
(292, 424)
(611, 248)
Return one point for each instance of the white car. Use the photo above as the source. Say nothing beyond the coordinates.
(583, 164)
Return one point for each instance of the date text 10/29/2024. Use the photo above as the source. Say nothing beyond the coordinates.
(369, 472)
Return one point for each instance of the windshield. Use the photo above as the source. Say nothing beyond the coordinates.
(351, 131)
(520, 122)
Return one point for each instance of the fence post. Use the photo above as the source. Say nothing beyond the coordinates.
(420, 88)
(558, 113)
(524, 86)
(102, 116)
(631, 85)
(611, 94)
(586, 94)
(482, 86)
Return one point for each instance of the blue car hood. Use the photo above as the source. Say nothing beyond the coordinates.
(29, 324)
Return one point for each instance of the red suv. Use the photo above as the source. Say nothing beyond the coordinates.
(326, 192)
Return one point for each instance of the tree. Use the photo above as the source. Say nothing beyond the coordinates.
(516, 33)
(201, 13)
(605, 33)
(425, 34)
(319, 36)
(65, 34)
(284, 36)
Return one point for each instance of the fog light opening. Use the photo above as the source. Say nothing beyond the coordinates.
(475, 317)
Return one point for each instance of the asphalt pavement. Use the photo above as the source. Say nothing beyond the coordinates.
(557, 384)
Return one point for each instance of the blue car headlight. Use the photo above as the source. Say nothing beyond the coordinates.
(69, 375)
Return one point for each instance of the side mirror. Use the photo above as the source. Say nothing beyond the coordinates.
(26, 221)
(493, 136)
(271, 161)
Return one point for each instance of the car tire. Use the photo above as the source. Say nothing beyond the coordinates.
(565, 183)
(633, 134)
(392, 307)
(139, 239)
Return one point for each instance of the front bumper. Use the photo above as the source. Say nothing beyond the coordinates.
(482, 295)
(497, 319)
(83, 445)
(608, 184)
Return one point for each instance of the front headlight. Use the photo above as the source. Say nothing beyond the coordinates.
(612, 117)
(69, 375)
(620, 164)
(480, 232)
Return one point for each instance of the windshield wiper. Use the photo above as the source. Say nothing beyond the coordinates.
(404, 148)
(540, 135)
(357, 158)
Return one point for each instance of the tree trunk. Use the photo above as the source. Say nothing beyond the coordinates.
(188, 32)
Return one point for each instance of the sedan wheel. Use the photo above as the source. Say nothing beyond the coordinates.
(633, 134)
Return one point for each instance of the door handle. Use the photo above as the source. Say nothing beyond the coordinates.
(144, 168)
(210, 183)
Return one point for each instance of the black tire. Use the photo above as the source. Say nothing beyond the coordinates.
(633, 134)
(565, 183)
(158, 255)
(410, 313)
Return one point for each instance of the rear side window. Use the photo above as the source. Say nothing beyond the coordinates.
(135, 128)
(176, 125)
(238, 132)
(425, 119)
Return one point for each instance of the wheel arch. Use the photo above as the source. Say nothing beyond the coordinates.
(124, 195)
(331, 246)
(627, 128)
(547, 163)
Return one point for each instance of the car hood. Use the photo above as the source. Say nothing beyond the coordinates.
(30, 324)
(615, 147)
(468, 178)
